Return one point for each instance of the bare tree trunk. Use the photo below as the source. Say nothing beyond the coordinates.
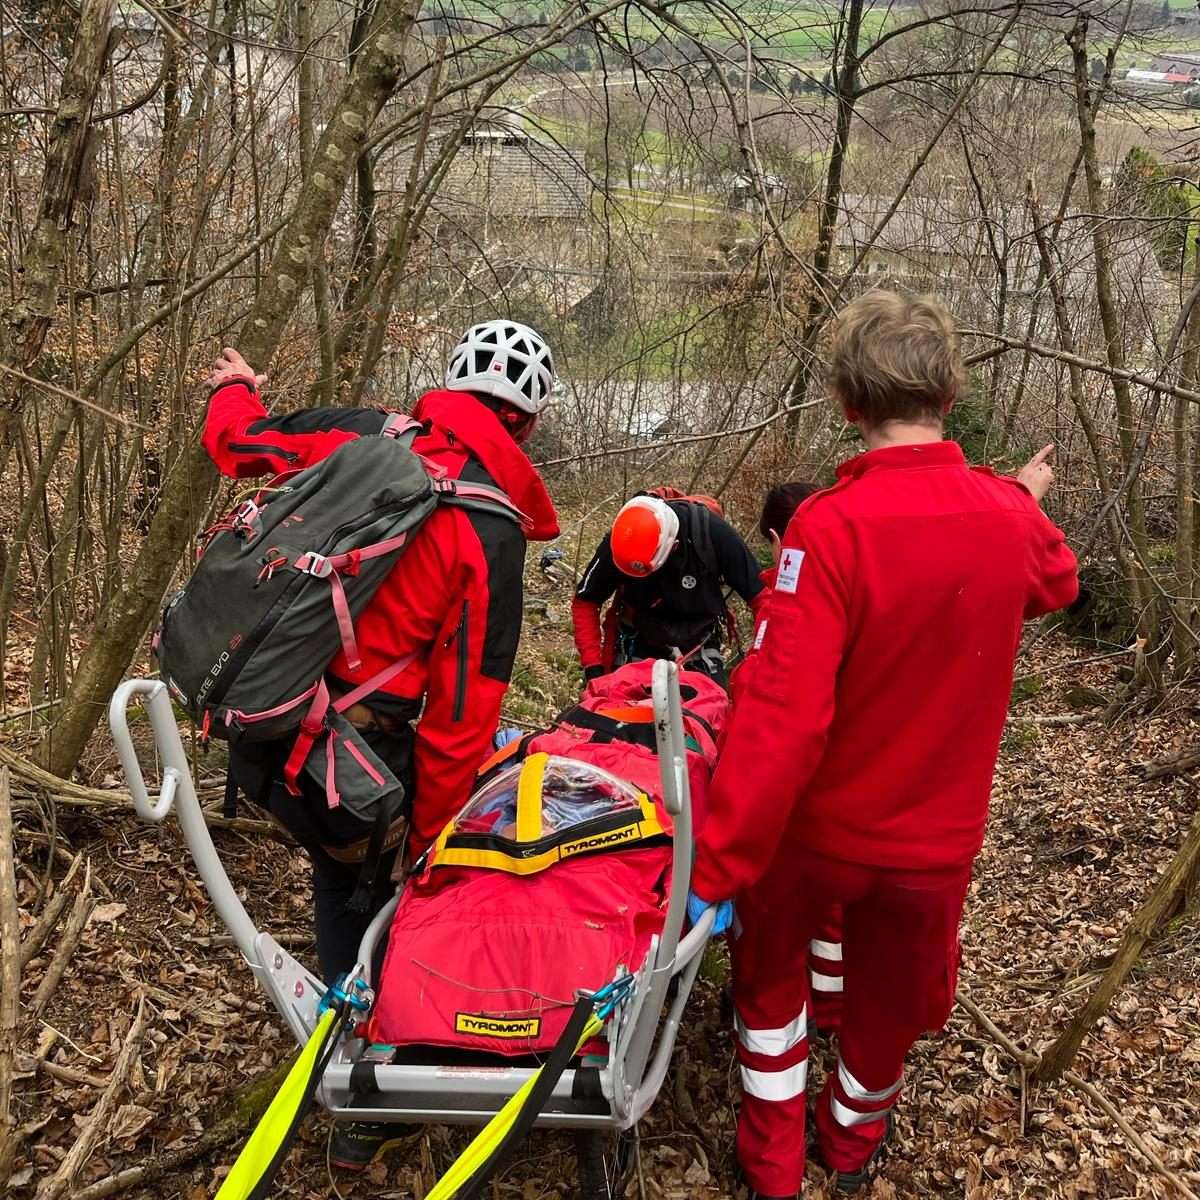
(130, 611)
(1140, 586)
(25, 322)
(1183, 431)
(846, 90)
(306, 94)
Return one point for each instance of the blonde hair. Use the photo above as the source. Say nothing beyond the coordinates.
(893, 357)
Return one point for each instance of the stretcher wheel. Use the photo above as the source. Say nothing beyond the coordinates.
(605, 1163)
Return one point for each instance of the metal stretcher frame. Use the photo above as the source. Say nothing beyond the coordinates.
(613, 1095)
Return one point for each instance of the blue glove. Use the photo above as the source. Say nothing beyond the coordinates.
(504, 736)
(697, 906)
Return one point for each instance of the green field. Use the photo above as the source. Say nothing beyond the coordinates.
(800, 32)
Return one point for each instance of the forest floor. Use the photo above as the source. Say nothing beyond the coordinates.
(1077, 840)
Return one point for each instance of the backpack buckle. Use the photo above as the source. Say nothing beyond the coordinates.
(314, 564)
(245, 514)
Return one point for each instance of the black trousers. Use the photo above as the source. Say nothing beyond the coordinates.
(258, 769)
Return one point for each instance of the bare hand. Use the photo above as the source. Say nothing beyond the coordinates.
(230, 365)
(1037, 474)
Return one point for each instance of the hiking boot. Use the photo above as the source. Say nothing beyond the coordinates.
(851, 1181)
(355, 1147)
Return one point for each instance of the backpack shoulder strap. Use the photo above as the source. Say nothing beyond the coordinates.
(480, 497)
(699, 518)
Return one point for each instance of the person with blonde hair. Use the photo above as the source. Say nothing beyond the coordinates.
(858, 764)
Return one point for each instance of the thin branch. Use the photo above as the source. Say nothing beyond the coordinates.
(1086, 364)
(116, 418)
(651, 447)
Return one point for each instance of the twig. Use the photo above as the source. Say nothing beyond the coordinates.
(129, 422)
(1176, 764)
(48, 921)
(1058, 718)
(97, 1122)
(1085, 364)
(77, 795)
(1027, 1061)
(66, 947)
(10, 981)
(649, 447)
(242, 1113)
(58, 1071)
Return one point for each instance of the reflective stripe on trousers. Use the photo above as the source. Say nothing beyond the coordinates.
(825, 966)
(787, 1076)
(852, 1103)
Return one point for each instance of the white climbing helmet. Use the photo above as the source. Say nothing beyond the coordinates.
(504, 359)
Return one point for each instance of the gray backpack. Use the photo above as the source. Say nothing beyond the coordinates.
(281, 580)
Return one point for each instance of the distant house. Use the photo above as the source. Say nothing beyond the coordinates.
(503, 172)
(744, 195)
(1177, 62)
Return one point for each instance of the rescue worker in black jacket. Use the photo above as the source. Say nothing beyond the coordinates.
(665, 564)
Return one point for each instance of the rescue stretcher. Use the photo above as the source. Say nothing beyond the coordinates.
(599, 1093)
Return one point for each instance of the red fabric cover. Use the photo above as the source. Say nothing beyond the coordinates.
(482, 942)
(443, 575)
(870, 726)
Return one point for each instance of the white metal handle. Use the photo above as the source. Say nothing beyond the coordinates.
(151, 690)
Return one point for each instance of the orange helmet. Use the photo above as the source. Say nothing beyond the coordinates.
(643, 535)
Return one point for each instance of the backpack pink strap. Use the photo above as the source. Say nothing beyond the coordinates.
(374, 683)
(313, 724)
(331, 567)
(332, 796)
(311, 728)
(341, 609)
(480, 491)
(398, 424)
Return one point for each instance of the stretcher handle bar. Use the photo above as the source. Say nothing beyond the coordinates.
(677, 798)
(673, 772)
(380, 923)
(695, 941)
(656, 1072)
(179, 793)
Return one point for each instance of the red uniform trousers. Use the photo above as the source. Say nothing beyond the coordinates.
(899, 958)
(825, 974)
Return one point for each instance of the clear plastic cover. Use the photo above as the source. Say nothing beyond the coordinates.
(572, 792)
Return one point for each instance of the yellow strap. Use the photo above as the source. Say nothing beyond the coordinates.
(529, 798)
(259, 1152)
(490, 1136)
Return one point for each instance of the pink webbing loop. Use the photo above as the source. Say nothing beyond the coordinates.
(313, 723)
(398, 424)
(341, 609)
(278, 711)
(368, 770)
(311, 728)
(332, 796)
(479, 491)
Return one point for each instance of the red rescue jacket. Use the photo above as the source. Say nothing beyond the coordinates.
(869, 725)
(456, 595)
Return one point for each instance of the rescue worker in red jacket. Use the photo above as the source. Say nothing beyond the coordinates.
(825, 947)
(858, 765)
(455, 596)
(665, 565)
